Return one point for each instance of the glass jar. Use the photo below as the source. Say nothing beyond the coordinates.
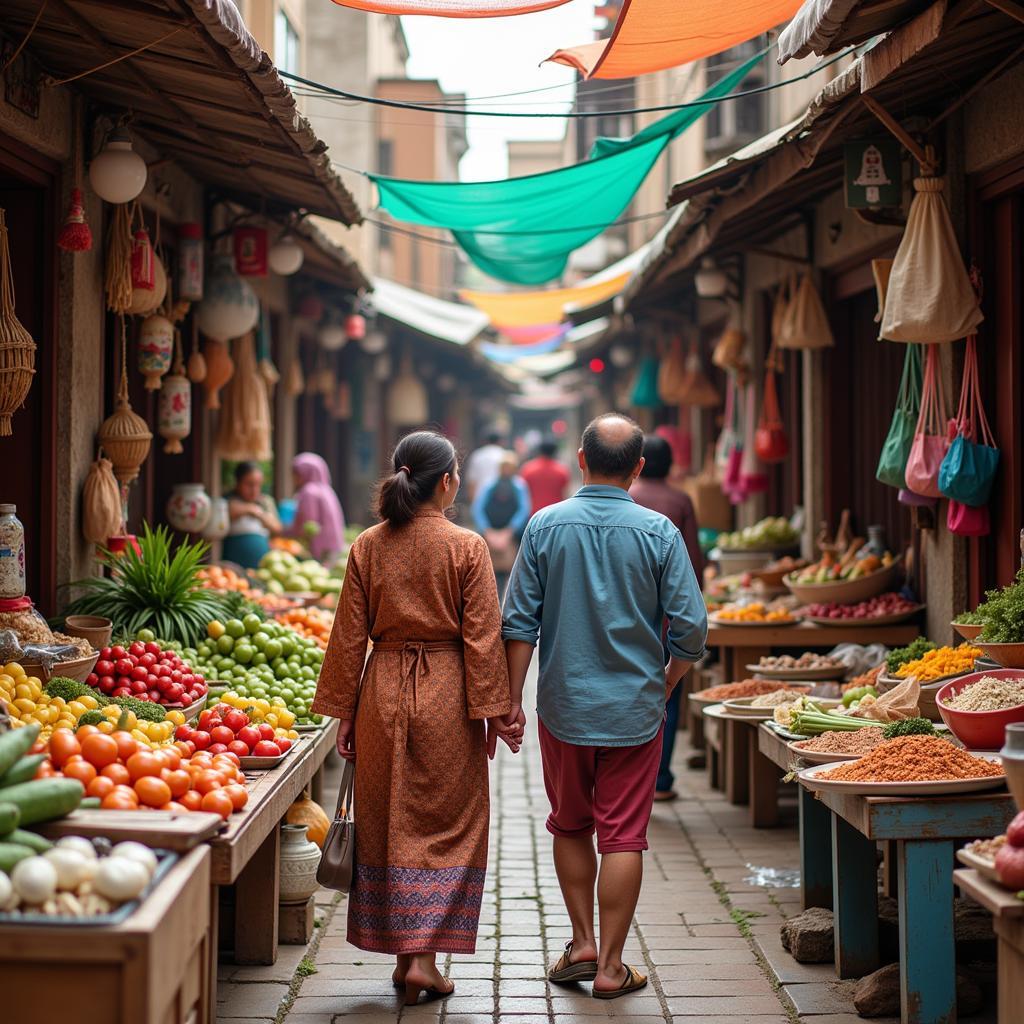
(12, 553)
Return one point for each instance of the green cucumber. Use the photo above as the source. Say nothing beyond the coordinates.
(45, 799)
(9, 817)
(32, 840)
(14, 744)
(11, 853)
(23, 770)
(90, 803)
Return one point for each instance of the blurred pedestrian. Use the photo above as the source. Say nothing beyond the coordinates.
(482, 464)
(596, 577)
(500, 512)
(412, 717)
(316, 503)
(545, 476)
(253, 518)
(653, 491)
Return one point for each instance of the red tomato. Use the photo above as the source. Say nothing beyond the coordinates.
(221, 734)
(217, 748)
(143, 765)
(265, 748)
(179, 781)
(183, 732)
(137, 648)
(201, 739)
(126, 744)
(238, 748)
(239, 796)
(250, 736)
(236, 720)
(283, 742)
(100, 750)
(266, 731)
(63, 745)
(218, 802)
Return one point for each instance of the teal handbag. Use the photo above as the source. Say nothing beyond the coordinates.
(892, 462)
(645, 388)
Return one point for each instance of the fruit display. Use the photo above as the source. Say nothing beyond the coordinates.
(147, 670)
(879, 607)
(226, 580)
(1010, 856)
(284, 573)
(847, 566)
(939, 663)
(770, 533)
(756, 612)
(228, 728)
(313, 623)
(261, 659)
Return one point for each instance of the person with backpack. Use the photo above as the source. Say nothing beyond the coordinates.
(500, 512)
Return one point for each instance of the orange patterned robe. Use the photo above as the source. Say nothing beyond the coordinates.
(425, 594)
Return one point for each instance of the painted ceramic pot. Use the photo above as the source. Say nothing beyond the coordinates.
(189, 507)
(156, 345)
(219, 523)
(299, 860)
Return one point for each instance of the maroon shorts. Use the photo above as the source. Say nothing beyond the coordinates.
(608, 790)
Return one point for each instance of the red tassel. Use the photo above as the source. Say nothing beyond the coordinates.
(75, 235)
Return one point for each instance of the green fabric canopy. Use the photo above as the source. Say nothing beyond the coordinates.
(522, 230)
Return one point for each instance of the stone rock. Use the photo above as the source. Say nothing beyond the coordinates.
(810, 937)
(972, 922)
(878, 994)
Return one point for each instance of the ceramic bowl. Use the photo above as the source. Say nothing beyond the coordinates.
(967, 632)
(1008, 655)
(978, 730)
(847, 591)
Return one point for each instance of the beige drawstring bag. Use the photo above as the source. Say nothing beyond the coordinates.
(101, 503)
(805, 323)
(672, 373)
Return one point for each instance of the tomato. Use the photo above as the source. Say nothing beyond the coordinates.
(152, 792)
(265, 748)
(232, 756)
(117, 772)
(179, 781)
(266, 731)
(39, 747)
(126, 793)
(45, 771)
(84, 730)
(192, 801)
(222, 734)
(219, 803)
(100, 750)
(63, 744)
(201, 739)
(126, 745)
(238, 748)
(144, 764)
(236, 719)
(209, 719)
(100, 786)
(284, 743)
(207, 781)
(81, 770)
(238, 794)
(116, 802)
(250, 736)
(183, 732)
(171, 756)
(173, 805)
(137, 648)
(183, 748)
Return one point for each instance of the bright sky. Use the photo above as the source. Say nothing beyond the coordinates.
(489, 56)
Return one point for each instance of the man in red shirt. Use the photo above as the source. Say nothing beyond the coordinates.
(545, 476)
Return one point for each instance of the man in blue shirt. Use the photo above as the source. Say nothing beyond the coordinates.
(596, 578)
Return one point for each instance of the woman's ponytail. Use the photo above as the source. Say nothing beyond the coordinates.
(420, 460)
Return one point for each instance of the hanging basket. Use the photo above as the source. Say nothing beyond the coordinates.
(17, 349)
(126, 438)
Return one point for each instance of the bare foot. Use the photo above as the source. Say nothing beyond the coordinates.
(401, 969)
(425, 978)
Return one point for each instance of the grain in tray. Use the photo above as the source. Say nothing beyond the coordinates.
(747, 688)
(861, 741)
(915, 759)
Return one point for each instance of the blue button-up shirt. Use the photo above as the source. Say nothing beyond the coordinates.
(595, 578)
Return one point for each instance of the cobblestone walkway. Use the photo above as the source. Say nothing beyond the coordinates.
(706, 935)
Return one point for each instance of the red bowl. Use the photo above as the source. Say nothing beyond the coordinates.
(979, 730)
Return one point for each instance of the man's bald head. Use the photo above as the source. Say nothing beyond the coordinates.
(612, 447)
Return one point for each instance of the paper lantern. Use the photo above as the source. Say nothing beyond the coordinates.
(229, 308)
(331, 337)
(408, 403)
(219, 370)
(156, 346)
(190, 262)
(250, 245)
(117, 173)
(175, 415)
(374, 342)
(17, 349)
(355, 326)
(285, 256)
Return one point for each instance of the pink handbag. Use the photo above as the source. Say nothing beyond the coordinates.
(968, 520)
(931, 438)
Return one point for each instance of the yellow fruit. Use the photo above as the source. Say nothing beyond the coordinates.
(12, 668)
(271, 720)
(176, 717)
(286, 718)
(215, 630)
(24, 691)
(24, 704)
(278, 702)
(140, 736)
(106, 727)
(262, 705)
(77, 708)
(89, 701)
(292, 734)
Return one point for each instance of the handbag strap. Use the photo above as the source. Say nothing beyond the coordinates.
(909, 399)
(348, 780)
(933, 400)
(971, 418)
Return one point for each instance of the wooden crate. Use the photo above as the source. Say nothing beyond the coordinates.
(151, 969)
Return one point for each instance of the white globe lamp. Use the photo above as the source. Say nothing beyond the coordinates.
(117, 173)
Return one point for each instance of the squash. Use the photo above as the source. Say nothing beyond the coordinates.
(309, 813)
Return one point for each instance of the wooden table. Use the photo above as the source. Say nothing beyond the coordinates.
(1008, 919)
(245, 854)
(924, 830)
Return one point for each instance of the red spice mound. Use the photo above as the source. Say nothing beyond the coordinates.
(915, 759)
(748, 688)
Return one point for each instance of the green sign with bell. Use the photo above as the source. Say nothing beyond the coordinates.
(873, 169)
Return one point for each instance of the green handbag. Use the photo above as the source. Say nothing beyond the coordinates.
(892, 463)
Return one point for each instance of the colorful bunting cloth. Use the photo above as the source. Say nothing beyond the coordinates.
(524, 309)
(452, 8)
(651, 35)
(522, 229)
(513, 353)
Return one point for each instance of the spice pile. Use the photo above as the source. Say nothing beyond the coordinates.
(988, 694)
(915, 759)
(806, 660)
(776, 699)
(754, 612)
(745, 688)
(863, 741)
(941, 662)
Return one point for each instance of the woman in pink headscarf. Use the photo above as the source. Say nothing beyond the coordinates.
(316, 502)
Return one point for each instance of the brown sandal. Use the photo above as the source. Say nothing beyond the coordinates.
(634, 981)
(566, 971)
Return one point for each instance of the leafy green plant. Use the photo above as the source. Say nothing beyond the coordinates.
(901, 655)
(157, 589)
(908, 727)
(1003, 614)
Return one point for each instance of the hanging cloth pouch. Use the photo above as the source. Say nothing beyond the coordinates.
(967, 471)
(805, 324)
(753, 478)
(645, 387)
(770, 441)
(697, 390)
(892, 463)
(968, 520)
(930, 438)
(672, 373)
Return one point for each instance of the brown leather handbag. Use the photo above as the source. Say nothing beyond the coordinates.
(337, 859)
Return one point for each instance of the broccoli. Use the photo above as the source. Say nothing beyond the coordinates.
(70, 689)
(146, 709)
(908, 727)
(90, 718)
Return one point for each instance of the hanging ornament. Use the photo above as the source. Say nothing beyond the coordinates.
(175, 415)
(229, 308)
(374, 342)
(355, 326)
(408, 403)
(286, 256)
(143, 274)
(342, 408)
(156, 346)
(244, 425)
(118, 271)
(124, 435)
(219, 369)
(250, 245)
(75, 235)
(17, 349)
(331, 335)
(196, 362)
(117, 173)
(190, 261)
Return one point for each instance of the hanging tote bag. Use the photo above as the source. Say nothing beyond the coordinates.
(968, 520)
(967, 471)
(805, 325)
(645, 387)
(930, 439)
(929, 298)
(892, 463)
(770, 441)
(337, 859)
(697, 390)
(753, 478)
(672, 373)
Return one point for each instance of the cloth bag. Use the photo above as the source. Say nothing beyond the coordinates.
(728, 351)
(967, 471)
(892, 462)
(967, 520)
(770, 440)
(930, 438)
(645, 387)
(337, 860)
(930, 298)
(805, 323)
(710, 504)
(697, 390)
(672, 373)
(101, 503)
(753, 478)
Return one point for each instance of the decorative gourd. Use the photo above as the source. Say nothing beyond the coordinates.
(148, 300)
(219, 370)
(309, 813)
(17, 349)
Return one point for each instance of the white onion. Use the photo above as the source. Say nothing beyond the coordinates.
(120, 879)
(34, 879)
(72, 867)
(79, 843)
(136, 851)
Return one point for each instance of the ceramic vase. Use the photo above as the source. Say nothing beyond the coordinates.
(1012, 756)
(299, 860)
(156, 345)
(219, 523)
(189, 507)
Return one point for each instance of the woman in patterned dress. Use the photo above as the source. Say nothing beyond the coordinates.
(420, 719)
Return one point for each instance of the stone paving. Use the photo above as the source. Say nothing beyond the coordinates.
(705, 932)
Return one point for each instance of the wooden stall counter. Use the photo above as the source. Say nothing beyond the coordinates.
(153, 968)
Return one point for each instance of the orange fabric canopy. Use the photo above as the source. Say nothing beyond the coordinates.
(651, 35)
(452, 8)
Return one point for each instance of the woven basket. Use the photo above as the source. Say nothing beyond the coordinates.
(126, 439)
(17, 349)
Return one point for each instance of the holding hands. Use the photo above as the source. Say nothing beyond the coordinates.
(511, 728)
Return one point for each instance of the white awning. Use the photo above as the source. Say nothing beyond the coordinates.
(449, 321)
